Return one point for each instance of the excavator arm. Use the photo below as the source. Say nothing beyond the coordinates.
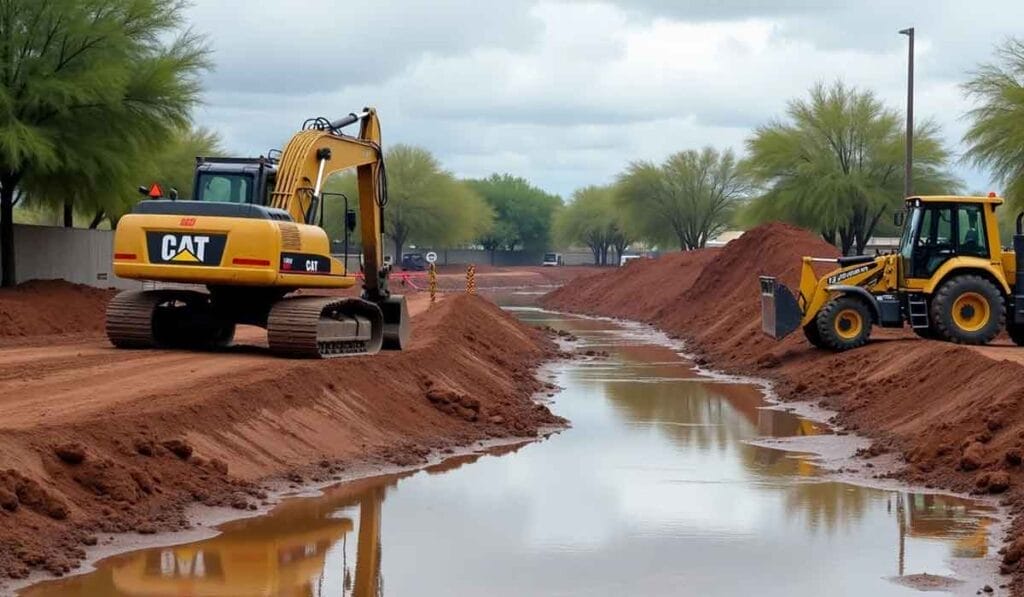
(321, 150)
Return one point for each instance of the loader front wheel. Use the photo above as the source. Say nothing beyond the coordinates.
(968, 310)
(843, 323)
(812, 335)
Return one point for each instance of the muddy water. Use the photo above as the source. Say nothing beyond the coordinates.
(652, 492)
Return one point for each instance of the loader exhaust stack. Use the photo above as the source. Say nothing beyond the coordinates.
(780, 312)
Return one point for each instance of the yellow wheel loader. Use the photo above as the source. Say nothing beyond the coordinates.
(252, 235)
(949, 280)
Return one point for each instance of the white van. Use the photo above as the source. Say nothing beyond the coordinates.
(552, 259)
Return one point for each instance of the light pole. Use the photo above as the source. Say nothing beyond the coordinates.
(908, 165)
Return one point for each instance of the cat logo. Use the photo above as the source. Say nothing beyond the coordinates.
(185, 249)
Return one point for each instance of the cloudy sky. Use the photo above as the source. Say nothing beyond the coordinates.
(566, 93)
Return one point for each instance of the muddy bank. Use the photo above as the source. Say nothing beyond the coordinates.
(97, 441)
(951, 414)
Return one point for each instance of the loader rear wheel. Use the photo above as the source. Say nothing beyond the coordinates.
(1016, 333)
(843, 323)
(968, 310)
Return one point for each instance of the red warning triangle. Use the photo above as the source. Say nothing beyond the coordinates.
(155, 191)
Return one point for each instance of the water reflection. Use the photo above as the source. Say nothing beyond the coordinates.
(654, 491)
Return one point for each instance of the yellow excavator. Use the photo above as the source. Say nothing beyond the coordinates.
(949, 279)
(252, 235)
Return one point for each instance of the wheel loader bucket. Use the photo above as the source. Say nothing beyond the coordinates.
(780, 313)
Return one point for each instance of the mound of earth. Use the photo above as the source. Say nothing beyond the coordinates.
(42, 307)
(953, 415)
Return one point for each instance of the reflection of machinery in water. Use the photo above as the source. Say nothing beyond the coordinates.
(932, 516)
(225, 565)
(284, 554)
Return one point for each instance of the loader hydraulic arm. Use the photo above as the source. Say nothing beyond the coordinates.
(318, 151)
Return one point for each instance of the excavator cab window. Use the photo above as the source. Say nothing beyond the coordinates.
(224, 187)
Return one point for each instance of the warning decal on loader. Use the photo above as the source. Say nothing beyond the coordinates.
(185, 249)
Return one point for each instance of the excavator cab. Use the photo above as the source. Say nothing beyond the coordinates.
(234, 180)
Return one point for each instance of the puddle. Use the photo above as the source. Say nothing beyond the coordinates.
(653, 491)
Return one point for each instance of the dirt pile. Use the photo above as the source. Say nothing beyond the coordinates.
(641, 289)
(953, 414)
(98, 440)
(42, 307)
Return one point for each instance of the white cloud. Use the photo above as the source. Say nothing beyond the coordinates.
(567, 93)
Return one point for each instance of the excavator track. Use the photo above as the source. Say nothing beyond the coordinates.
(166, 319)
(130, 319)
(324, 327)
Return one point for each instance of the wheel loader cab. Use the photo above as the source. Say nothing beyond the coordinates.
(940, 229)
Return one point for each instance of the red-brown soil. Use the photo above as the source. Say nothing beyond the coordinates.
(953, 414)
(43, 307)
(96, 440)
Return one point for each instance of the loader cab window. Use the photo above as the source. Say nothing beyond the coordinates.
(971, 238)
(224, 188)
(945, 231)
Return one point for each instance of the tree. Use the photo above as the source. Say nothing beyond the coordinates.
(593, 219)
(172, 166)
(687, 200)
(523, 213)
(426, 204)
(996, 135)
(836, 164)
(85, 85)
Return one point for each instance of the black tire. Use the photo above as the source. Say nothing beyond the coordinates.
(968, 309)
(844, 323)
(812, 335)
(191, 325)
(1016, 333)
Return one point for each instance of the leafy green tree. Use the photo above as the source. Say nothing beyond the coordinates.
(426, 204)
(836, 164)
(85, 85)
(687, 200)
(522, 211)
(592, 218)
(996, 135)
(172, 166)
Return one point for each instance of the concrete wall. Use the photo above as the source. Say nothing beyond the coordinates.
(76, 255)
